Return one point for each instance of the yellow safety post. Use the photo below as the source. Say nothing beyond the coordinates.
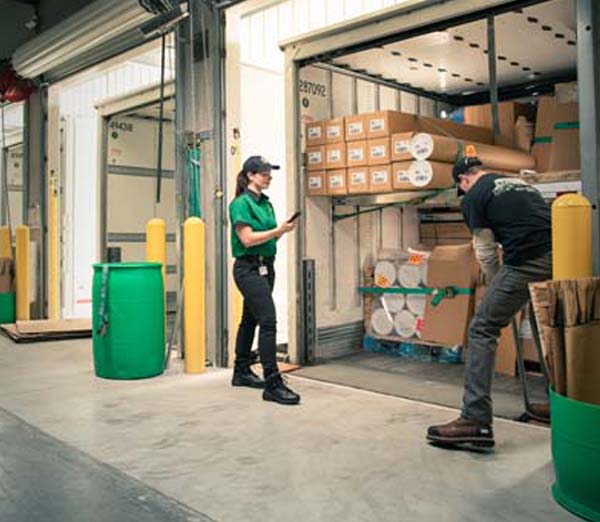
(156, 244)
(5, 246)
(193, 295)
(53, 260)
(571, 237)
(22, 279)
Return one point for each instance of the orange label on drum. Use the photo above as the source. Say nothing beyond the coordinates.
(382, 281)
(415, 259)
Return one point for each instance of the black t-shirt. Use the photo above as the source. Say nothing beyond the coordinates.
(515, 211)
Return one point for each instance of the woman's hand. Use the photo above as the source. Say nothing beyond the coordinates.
(285, 227)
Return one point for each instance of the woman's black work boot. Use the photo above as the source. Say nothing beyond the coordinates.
(244, 376)
(277, 391)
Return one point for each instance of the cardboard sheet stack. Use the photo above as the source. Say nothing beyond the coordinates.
(390, 151)
(568, 316)
(422, 315)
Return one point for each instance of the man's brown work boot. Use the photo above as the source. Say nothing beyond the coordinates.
(464, 433)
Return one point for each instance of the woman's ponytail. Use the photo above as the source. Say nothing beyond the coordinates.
(241, 183)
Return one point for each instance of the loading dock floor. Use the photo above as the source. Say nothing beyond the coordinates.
(429, 382)
(192, 446)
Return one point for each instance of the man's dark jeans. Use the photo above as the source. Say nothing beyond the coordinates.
(259, 310)
(507, 294)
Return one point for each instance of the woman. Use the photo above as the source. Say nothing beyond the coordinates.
(254, 232)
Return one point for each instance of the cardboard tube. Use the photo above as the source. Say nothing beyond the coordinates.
(431, 147)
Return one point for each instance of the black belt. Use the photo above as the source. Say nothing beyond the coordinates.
(258, 259)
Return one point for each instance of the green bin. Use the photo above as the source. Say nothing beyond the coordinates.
(7, 308)
(576, 454)
(129, 320)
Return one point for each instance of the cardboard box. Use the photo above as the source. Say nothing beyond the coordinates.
(315, 133)
(315, 158)
(358, 180)
(355, 127)
(400, 146)
(445, 230)
(456, 130)
(422, 175)
(508, 113)
(383, 124)
(448, 322)
(356, 153)
(400, 179)
(380, 179)
(335, 156)
(335, 131)
(7, 276)
(378, 151)
(316, 183)
(336, 182)
(556, 143)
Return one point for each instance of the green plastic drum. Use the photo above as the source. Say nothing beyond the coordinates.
(129, 320)
(576, 454)
(7, 308)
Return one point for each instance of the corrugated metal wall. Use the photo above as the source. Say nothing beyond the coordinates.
(263, 29)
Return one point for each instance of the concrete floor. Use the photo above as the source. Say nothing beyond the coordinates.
(223, 454)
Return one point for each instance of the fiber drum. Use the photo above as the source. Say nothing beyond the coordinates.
(128, 320)
(576, 454)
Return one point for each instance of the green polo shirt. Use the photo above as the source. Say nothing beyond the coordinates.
(256, 211)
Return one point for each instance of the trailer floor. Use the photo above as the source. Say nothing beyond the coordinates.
(181, 447)
(430, 382)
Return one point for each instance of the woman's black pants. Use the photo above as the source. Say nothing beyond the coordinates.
(259, 310)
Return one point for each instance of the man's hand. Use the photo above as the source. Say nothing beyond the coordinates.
(486, 252)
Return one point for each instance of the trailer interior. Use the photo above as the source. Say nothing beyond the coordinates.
(515, 53)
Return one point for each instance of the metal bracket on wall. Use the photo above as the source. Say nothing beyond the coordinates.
(309, 310)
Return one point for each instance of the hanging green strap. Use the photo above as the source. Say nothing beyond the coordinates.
(193, 164)
(103, 309)
(439, 294)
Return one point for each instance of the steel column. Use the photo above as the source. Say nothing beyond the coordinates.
(588, 66)
(493, 75)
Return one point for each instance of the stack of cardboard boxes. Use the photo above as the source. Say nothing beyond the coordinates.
(556, 144)
(371, 153)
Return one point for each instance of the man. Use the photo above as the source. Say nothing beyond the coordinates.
(506, 210)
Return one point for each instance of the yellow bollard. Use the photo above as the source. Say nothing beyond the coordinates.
(156, 244)
(5, 246)
(22, 279)
(571, 237)
(193, 295)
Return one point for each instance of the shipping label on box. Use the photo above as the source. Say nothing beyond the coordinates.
(315, 158)
(315, 183)
(380, 179)
(355, 128)
(358, 180)
(314, 133)
(400, 146)
(400, 177)
(383, 124)
(336, 182)
(356, 153)
(336, 156)
(379, 151)
(334, 130)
